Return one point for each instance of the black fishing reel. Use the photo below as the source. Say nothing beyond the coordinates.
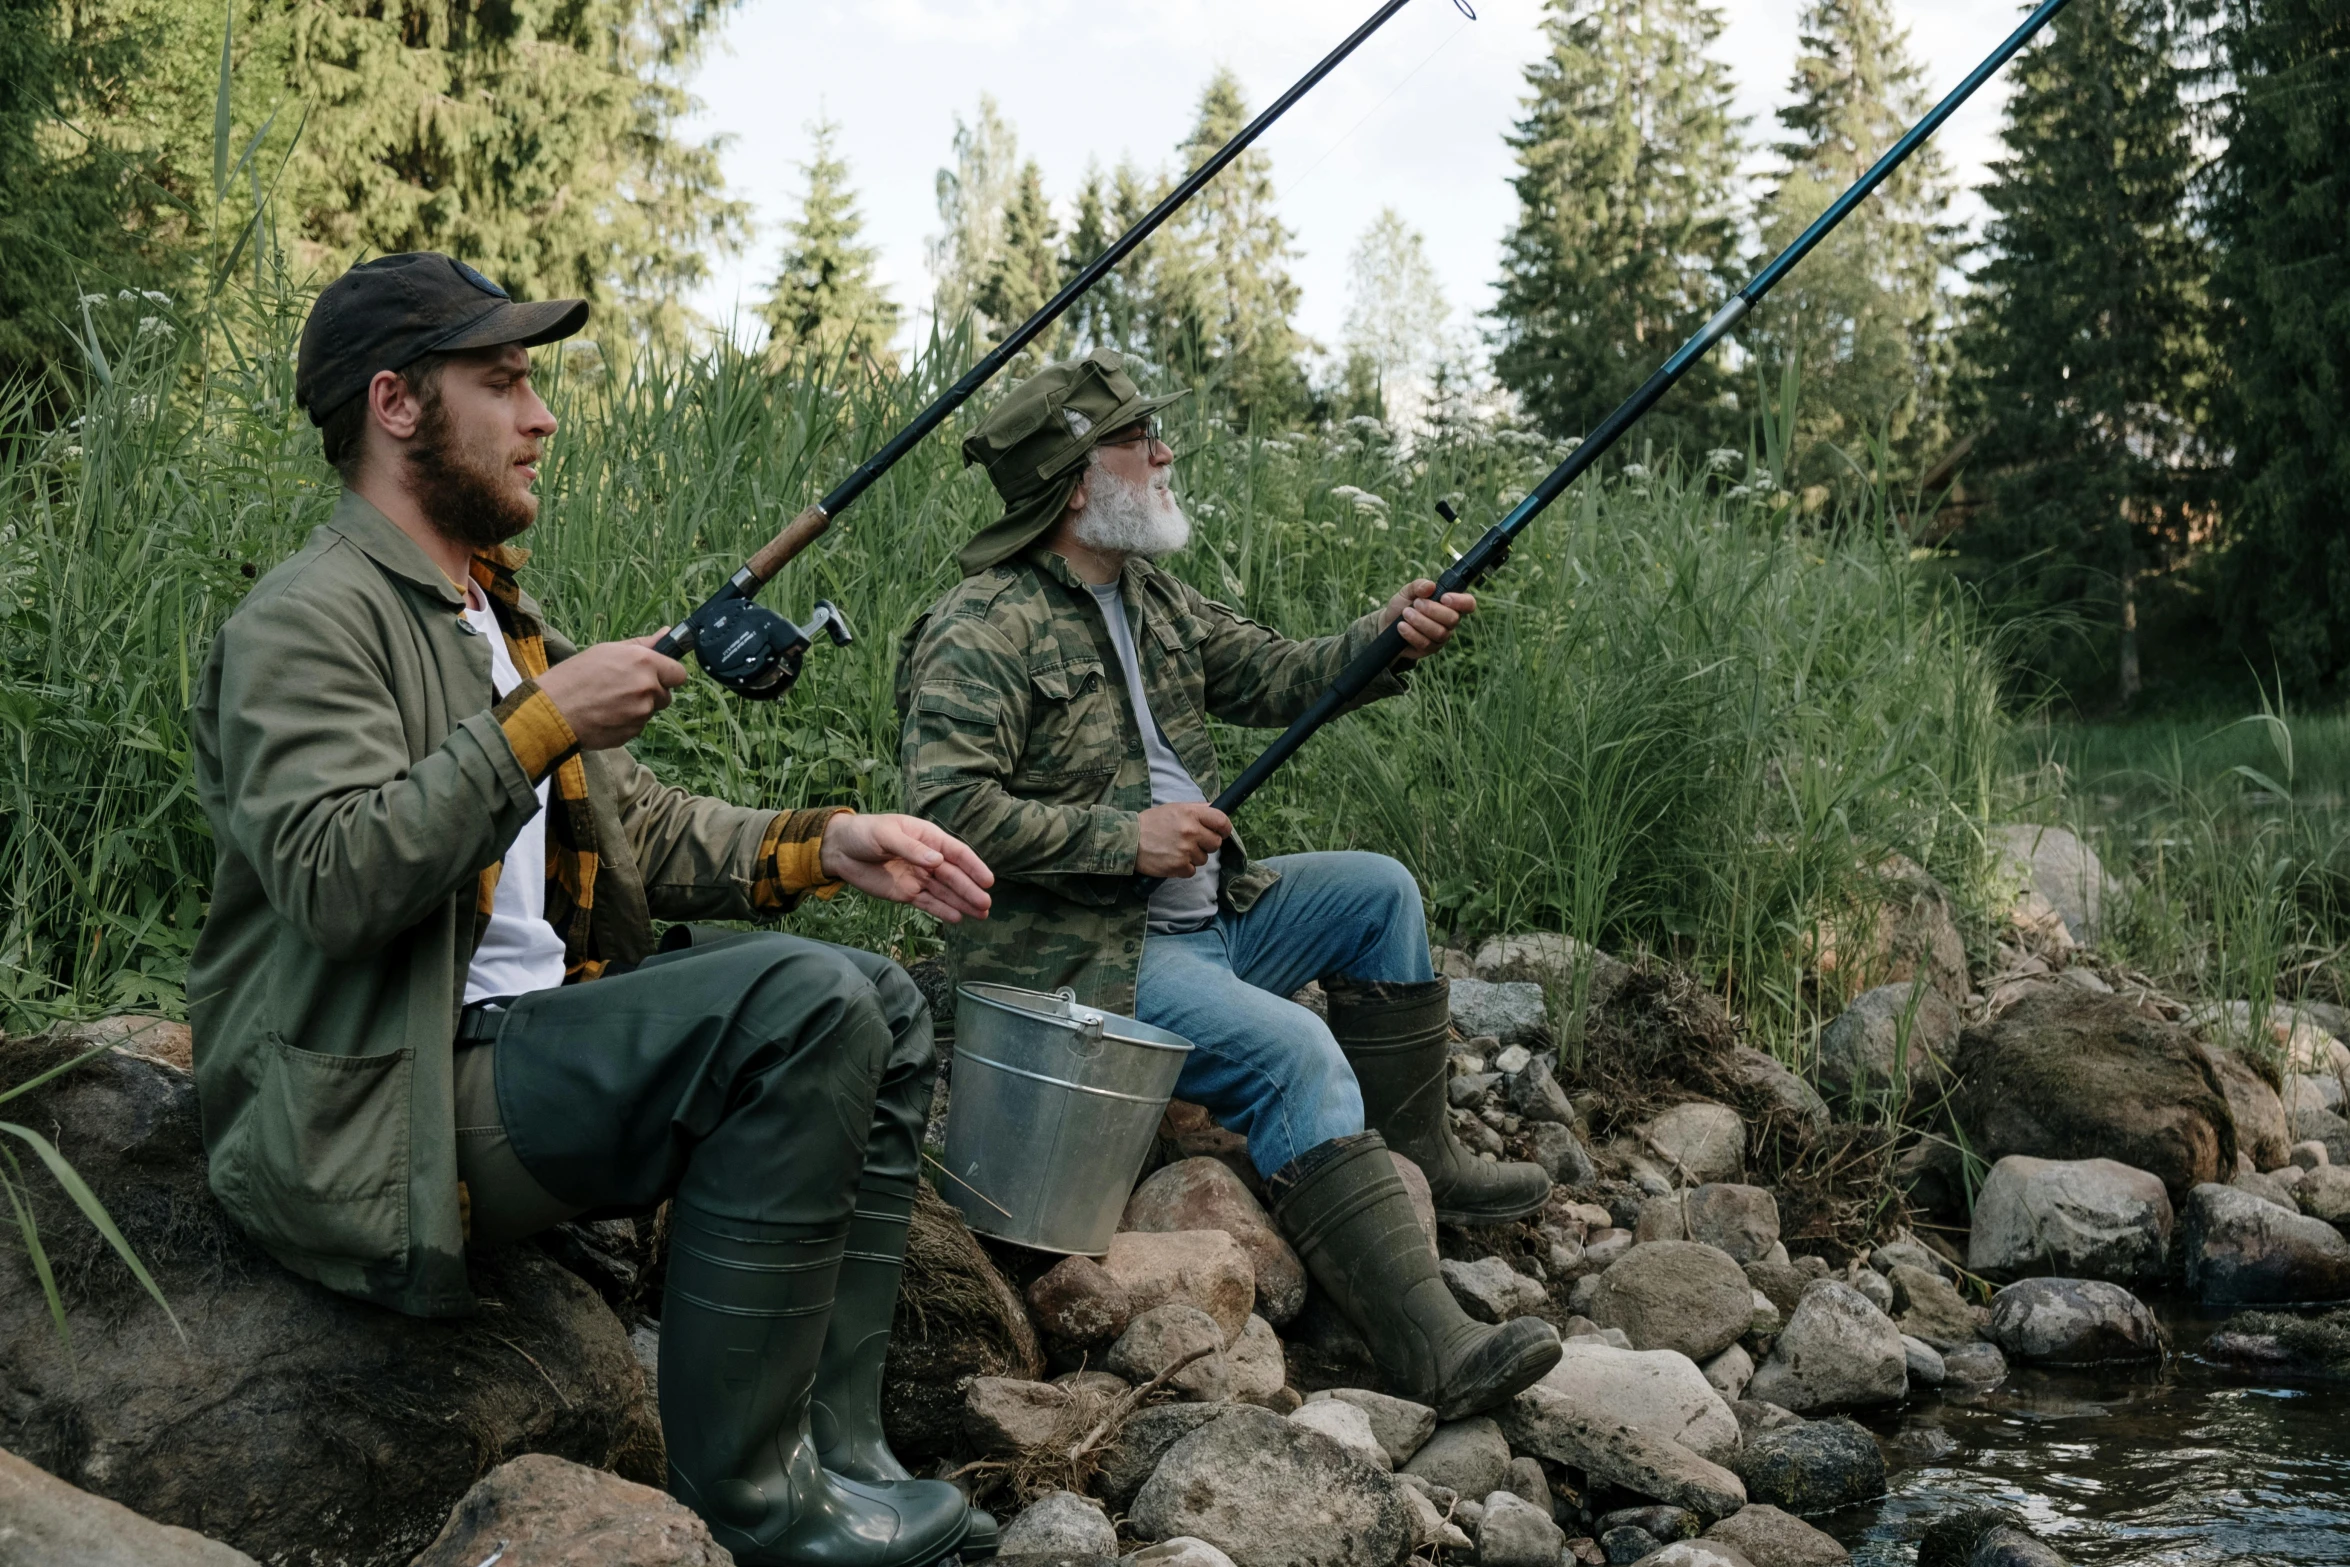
(753, 651)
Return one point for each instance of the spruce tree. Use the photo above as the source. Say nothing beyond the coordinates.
(1026, 269)
(1625, 242)
(825, 300)
(1863, 317)
(2281, 217)
(2088, 360)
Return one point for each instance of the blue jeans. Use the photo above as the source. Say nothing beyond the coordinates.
(1264, 1066)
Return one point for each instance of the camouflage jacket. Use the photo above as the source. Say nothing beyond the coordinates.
(1019, 739)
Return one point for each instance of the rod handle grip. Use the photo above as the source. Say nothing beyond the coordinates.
(797, 535)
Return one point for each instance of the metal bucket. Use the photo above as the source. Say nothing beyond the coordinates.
(1053, 1107)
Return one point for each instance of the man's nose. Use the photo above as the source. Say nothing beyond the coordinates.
(537, 418)
(1161, 453)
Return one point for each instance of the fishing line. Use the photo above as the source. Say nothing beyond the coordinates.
(1291, 188)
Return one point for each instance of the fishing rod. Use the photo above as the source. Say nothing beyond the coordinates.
(756, 653)
(1489, 552)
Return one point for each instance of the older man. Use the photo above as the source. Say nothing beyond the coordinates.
(1055, 705)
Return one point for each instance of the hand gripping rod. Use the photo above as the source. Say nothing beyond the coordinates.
(1488, 553)
(810, 525)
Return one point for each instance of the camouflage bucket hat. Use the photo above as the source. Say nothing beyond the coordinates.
(1034, 442)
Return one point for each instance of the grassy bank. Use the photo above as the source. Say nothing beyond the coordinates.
(1682, 720)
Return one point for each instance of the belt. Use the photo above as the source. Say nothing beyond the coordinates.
(481, 1023)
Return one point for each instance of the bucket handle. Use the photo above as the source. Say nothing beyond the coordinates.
(1088, 1043)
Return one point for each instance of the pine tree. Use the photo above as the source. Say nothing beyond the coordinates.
(825, 300)
(973, 197)
(1863, 317)
(2088, 363)
(1026, 269)
(1624, 243)
(2281, 217)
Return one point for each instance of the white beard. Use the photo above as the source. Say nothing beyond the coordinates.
(1125, 518)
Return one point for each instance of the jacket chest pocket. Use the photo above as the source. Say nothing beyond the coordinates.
(1074, 740)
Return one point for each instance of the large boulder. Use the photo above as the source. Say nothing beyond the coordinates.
(46, 1523)
(2068, 1074)
(1677, 1295)
(2243, 1250)
(1204, 1194)
(1512, 1011)
(2079, 1218)
(2263, 1134)
(1813, 1468)
(2073, 1322)
(2054, 863)
(957, 1319)
(1078, 1302)
(1698, 1142)
(1203, 1268)
(299, 1425)
(1061, 1523)
(538, 1511)
(1768, 1537)
(1549, 1424)
(1740, 1220)
(1893, 1044)
(1270, 1493)
(1837, 1351)
(1470, 1456)
(1780, 1091)
(1141, 1442)
(1660, 1391)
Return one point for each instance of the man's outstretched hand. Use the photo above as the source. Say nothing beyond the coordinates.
(1427, 621)
(906, 860)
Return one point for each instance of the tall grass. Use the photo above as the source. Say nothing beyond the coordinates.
(1682, 719)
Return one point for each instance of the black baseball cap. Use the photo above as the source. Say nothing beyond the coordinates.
(387, 313)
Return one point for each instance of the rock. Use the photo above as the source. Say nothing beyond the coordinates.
(1555, 963)
(957, 1318)
(2068, 1075)
(1768, 1537)
(1204, 1194)
(1527, 1481)
(1604, 1248)
(1005, 1417)
(1741, 1220)
(1729, 1372)
(1660, 1523)
(2261, 1128)
(1975, 1367)
(1663, 1218)
(1099, 1383)
(1433, 1527)
(1676, 1295)
(2269, 1188)
(2058, 866)
(1256, 1372)
(1512, 1060)
(2309, 1155)
(2329, 1131)
(1659, 1391)
(1928, 1306)
(2324, 1193)
(1400, 1426)
(1516, 1533)
(1874, 1288)
(1161, 1337)
(1490, 1290)
(1782, 1282)
(292, 1423)
(1627, 1543)
(1076, 1300)
(1188, 1131)
(1912, 1254)
(1767, 1318)
(1837, 1351)
(1060, 1522)
(1182, 1551)
(1892, 1035)
(2074, 1322)
(2241, 1250)
(1698, 1142)
(2080, 1218)
(1786, 1094)
(1203, 1268)
(1467, 1093)
(1925, 1362)
(1270, 1493)
(1536, 1096)
(1549, 1424)
(1813, 1468)
(1755, 1415)
(1469, 1456)
(1984, 1537)
(1142, 1442)
(538, 1511)
(1346, 1425)
(1512, 1012)
(43, 1520)
(1695, 1553)
(1561, 1154)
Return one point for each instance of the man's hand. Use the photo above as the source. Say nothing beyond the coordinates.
(609, 692)
(906, 860)
(1428, 622)
(1177, 839)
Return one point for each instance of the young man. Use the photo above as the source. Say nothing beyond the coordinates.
(1055, 706)
(429, 1010)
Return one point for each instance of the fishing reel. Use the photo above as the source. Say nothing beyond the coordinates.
(753, 651)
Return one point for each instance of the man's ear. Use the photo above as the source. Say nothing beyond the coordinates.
(1078, 499)
(393, 404)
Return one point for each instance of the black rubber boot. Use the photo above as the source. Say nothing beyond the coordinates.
(1346, 1211)
(844, 1415)
(742, 1324)
(1394, 1036)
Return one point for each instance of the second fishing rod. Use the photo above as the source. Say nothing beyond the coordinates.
(755, 652)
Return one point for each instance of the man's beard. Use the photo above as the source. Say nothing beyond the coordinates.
(1128, 518)
(463, 493)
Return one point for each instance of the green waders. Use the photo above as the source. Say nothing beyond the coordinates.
(764, 1083)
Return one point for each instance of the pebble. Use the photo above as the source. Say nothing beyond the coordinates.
(1490, 1290)
(1516, 1533)
(1061, 1521)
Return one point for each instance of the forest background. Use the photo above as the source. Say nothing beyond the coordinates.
(2089, 460)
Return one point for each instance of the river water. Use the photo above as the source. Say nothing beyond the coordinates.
(2191, 1465)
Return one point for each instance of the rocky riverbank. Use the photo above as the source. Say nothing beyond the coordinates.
(1981, 1166)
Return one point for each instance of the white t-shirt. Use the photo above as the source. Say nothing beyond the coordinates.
(1181, 903)
(520, 951)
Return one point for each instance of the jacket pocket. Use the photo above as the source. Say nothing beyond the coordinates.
(326, 1153)
(1075, 741)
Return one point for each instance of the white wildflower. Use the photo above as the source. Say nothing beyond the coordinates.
(155, 326)
(126, 293)
(155, 296)
(1633, 470)
(1721, 457)
(93, 299)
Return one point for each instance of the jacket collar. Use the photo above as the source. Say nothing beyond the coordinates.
(377, 537)
(1131, 576)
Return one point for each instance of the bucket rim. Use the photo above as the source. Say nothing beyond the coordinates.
(1044, 1006)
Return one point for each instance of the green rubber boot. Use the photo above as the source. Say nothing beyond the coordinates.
(1346, 1211)
(1394, 1036)
(844, 1416)
(743, 1322)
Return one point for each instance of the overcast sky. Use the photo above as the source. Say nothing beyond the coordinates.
(1414, 120)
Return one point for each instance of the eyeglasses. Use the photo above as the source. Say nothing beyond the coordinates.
(1145, 433)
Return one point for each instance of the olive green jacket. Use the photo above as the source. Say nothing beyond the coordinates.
(1019, 739)
(358, 782)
